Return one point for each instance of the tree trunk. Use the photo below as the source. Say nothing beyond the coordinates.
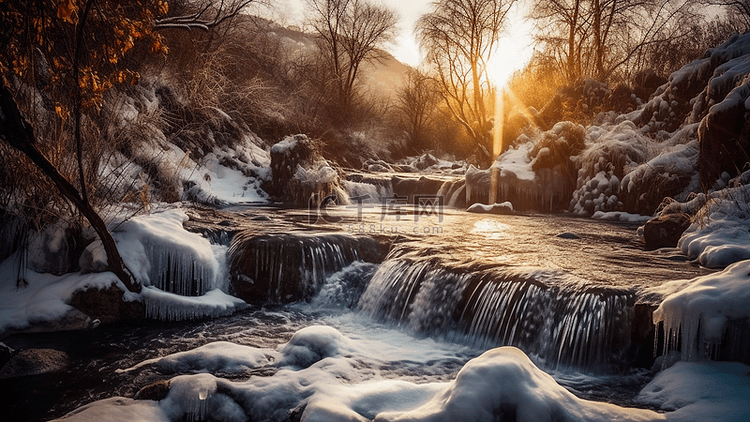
(18, 133)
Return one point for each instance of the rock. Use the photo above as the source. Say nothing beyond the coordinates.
(34, 362)
(425, 161)
(665, 230)
(6, 352)
(284, 268)
(93, 259)
(107, 305)
(568, 235)
(54, 250)
(301, 177)
(156, 391)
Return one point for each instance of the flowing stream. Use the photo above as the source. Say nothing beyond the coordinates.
(427, 290)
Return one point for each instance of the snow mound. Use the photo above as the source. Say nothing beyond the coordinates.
(504, 208)
(719, 234)
(313, 344)
(701, 391)
(161, 253)
(219, 356)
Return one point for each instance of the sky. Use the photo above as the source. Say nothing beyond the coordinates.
(405, 49)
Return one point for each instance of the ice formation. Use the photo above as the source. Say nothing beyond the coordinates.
(696, 313)
(161, 253)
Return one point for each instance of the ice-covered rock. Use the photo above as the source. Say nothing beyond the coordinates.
(696, 315)
(300, 176)
(665, 230)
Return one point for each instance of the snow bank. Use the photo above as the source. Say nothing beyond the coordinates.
(516, 161)
(696, 312)
(161, 253)
(719, 234)
(227, 175)
(701, 391)
(171, 262)
(44, 300)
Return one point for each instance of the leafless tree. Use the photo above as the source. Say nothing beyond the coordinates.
(416, 103)
(203, 15)
(350, 32)
(602, 38)
(460, 37)
(737, 9)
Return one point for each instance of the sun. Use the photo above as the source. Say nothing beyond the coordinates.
(514, 49)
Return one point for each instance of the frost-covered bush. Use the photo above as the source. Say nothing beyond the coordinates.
(611, 152)
(558, 145)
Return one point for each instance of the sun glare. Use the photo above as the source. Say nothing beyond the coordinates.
(514, 49)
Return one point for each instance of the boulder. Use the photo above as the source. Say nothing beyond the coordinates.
(300, 176)
(665, 230)
(107, 305)
(156, 391)
(34, 362)
(284, 268)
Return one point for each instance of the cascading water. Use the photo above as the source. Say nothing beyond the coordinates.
(544, 313)
(454, 193)
(284, 268)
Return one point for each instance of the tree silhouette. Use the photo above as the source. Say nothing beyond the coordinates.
(350, 32)
(459, 37)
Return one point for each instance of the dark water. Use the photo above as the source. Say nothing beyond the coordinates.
(601, 254)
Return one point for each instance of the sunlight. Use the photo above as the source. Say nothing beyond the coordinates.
(514, 50)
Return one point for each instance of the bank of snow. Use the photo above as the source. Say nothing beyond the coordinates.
(184, 275)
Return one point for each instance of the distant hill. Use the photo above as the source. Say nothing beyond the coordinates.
(383, 75)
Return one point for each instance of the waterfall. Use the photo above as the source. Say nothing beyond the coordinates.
(283, 268)
(547, 314)
(454, 193)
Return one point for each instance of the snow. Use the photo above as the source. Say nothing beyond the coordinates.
(516, 161)
(151, 246)
(503, 208)
(44, 299)
(313, 344)
(719, 234)
(219, 356)
(160, 252)
(167, 306)
(339, 386)
(284, 145)
(227, 175)
(700, 309)
(701, 391)
(620, 216)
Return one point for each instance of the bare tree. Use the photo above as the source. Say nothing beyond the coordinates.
(204, 15)
(460, 37)
(602, 38)
(416, 103)
(737, 9)
(350, 32)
